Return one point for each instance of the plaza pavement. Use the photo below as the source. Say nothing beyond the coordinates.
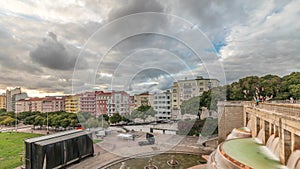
(113, 148)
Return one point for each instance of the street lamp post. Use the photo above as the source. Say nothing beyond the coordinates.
(47, 124)
(102, 115)
(16, 111)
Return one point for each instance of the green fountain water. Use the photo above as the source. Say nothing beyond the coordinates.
(252, 154)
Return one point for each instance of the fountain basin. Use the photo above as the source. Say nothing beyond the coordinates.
(160, 161)
(243, 153)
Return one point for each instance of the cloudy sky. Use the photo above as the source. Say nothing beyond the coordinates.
(138, 45)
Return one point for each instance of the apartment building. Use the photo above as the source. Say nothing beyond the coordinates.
(121, 102)
(175, 96)
(88, 102)
(72, 103)
(29, 104)
(36, 104)
(2, 101)
(131, 103)
(143, 99)
(52, 104)
(104, 103)
(112, 102)
(186, 89)
(205, 84)
(12, 96)
(22, 105)
(162, 105)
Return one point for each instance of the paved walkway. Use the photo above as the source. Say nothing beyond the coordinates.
(26, 129)
(113, 149)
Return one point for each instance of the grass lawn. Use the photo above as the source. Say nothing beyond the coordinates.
(12, 148)
(96, 141)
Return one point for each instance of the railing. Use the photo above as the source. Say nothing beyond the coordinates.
(286, 109)
(234, 102)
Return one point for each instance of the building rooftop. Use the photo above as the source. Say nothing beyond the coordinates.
(36, 99)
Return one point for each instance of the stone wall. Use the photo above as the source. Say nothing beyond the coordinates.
(230, 116)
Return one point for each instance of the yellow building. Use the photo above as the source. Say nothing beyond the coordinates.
(143, 99)
(186, 89)
(72, 103)
(3, 101)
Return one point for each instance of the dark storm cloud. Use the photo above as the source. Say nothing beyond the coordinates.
(53, 36)
(54, 54)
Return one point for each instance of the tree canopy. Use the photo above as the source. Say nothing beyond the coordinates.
(269, 86)
(141, 112)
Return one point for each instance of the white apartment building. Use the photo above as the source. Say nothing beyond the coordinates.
(11, 98)
(121, 102)
(162, 105)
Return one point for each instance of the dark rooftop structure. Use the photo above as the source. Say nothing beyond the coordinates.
(58, 150)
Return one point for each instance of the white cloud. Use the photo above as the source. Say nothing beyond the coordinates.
(252, 35)
(266, 43)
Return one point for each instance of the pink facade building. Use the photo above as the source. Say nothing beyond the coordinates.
(29, 104)
(95, 103)
(102, 102)
(36, 104)
(52, 104)
(22, 105)
(112, 102)
(88, 102)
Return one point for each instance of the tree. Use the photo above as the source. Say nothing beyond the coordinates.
(106, 117)
(294, 91)
(206, 127)
(7, 120)
(115, 118)
(125, 119)
(56, 121)
(143, 108)
(83, 116)
(141, 112)
(29, 120)
(248, 88)
(39, 121)
(93, 123)
(65, 123)
(23, 115)
(10, 114)
(190, 106)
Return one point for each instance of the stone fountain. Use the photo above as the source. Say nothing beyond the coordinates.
(124, 166)
(173, 162)
(150, 165)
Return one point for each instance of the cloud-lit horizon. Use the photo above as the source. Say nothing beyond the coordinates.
(43, 42)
